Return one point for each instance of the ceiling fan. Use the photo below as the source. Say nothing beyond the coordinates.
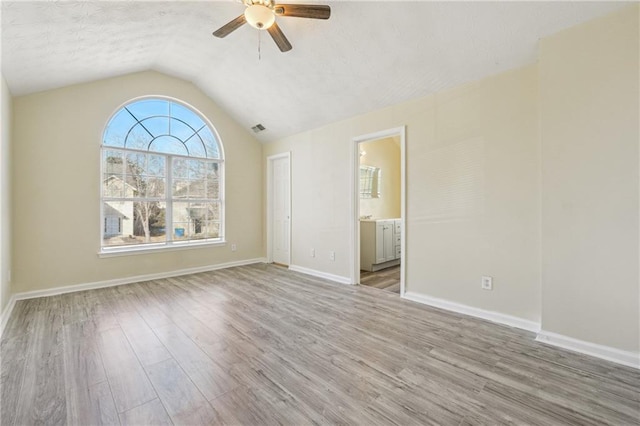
(261, 14)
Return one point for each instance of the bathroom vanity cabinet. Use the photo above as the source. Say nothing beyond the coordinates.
(380, 243)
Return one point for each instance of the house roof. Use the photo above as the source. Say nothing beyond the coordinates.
(365, 57)
(120, 180)
(112, 211)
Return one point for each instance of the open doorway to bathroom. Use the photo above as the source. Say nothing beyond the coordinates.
(379, 201)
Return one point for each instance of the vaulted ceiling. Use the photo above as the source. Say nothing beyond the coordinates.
(368, 55)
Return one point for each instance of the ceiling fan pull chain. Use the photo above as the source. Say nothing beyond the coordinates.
(259, 52)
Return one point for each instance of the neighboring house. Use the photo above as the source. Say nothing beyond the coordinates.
(118, 215)
(194, 218)
(114, 220)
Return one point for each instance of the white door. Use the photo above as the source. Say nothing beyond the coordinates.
(281, 209)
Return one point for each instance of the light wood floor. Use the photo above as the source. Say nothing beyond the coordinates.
(260, 345)
(385, 279)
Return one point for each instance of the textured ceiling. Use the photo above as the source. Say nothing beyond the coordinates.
(368, 55)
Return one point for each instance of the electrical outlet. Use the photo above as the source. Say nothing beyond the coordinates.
(312, 253)
(234, 247)
(487, 283)
(332, 255)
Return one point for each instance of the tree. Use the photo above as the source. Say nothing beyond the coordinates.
(147, 213)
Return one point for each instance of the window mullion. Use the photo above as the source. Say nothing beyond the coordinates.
(168, 212)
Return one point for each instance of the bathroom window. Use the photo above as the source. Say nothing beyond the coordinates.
(370, 182)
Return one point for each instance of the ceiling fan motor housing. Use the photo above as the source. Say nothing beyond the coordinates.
(259, 16)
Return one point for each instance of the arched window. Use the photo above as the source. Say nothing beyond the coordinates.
(162, 178)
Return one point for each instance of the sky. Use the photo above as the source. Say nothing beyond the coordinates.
(161, 126)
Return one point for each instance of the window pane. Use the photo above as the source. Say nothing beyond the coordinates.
(196, 148)
(117, 226)
(180, 188)
(198, 218)
(156, 165)
(138, 138)
(135, 186)
(212, 189)
(213, 169)
(181, 229)
(212, 229)
(118, 128)
(168, 145)
(198, 174)
(213, 211)
(213, 181)
(154, 187)
(186, 115)
(181, 130)
(197, 169)
(196, 188)
(112, 186)
(149, 221)
(113, 162)
(180, 168)
(210, 143)
(191, 189)
(136, 164)
(135, 177)
(149, 107)
(157, 126)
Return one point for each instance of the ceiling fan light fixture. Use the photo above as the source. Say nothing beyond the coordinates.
(259, 16)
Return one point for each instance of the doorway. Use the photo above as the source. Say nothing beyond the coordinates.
(378, 210)
(279, 209)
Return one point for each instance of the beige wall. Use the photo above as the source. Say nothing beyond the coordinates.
(384, 154)
(473, 199)
(56, 179)
(543, 159)
(589, 100)
(5, 194)
(472, 192)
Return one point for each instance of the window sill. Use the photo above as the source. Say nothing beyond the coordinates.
(160, 248)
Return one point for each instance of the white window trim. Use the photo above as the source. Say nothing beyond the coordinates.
(169, 244)
(160, 247)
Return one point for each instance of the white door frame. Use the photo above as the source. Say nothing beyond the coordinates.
(270, 161)
(355, 201)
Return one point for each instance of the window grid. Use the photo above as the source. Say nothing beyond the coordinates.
(170, 199)
(162, 197)
(370, 182)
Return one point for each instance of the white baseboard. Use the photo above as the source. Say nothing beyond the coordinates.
(337, 278)
(492, 316)
(630, 359)
(114, 282)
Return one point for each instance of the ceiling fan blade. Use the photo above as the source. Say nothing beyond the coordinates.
(313, 11)
(278, 36)
(227, 29)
